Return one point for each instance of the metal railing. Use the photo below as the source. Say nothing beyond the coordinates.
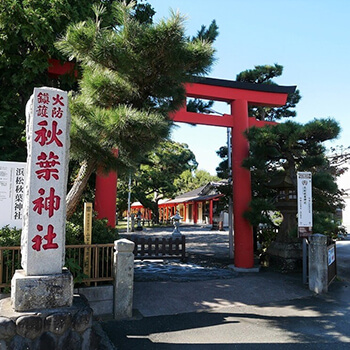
(89, 263)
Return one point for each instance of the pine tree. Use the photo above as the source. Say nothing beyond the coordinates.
(28, 30)
(132, 77)
(264, 75)
(261, 75)
(283, 150)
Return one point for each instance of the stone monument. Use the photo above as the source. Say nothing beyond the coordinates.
(43, 283)
(42, 313)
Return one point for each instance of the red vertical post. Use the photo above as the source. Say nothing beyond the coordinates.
(195, 212)
(243, 232)
(106, 195)
(211, 211)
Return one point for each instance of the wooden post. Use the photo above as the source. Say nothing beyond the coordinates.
(87, 239)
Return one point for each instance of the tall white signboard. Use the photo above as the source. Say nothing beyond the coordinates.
(304, 204)
(12, 176)
(43, 234)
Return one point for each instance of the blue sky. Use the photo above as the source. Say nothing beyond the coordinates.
(309, 38)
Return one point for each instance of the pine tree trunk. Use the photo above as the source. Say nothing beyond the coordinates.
(76, 192)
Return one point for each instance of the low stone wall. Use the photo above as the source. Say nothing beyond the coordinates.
(285, 256)
(100, 298)
(51, 329)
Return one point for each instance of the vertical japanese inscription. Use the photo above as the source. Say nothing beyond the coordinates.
(43, 238)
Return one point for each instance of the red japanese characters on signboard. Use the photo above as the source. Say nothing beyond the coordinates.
(47, 133)
(46, 183)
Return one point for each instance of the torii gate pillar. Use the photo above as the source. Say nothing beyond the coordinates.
(243, 231)
(239, 96)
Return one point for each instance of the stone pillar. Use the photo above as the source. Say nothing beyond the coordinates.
(44, 212)
(123, 278)
(318, 264)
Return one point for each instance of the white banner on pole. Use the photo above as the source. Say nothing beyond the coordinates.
(304, 204)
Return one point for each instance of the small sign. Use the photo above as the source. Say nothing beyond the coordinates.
(304, 204)
(87, 238)
(331, 255)
(87, 223)
(12, 177)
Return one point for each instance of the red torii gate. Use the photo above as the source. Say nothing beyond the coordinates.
(239, 95)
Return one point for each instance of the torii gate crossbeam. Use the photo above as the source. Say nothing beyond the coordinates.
(239, 96)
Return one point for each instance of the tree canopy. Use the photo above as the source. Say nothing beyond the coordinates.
(191, 179)
(28, 30)
(155, 177)
(261, 74)
(265, 75)
(132, 77)
(285, 149)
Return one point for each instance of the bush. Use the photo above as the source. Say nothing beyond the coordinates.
(101, 232)
(10, 236)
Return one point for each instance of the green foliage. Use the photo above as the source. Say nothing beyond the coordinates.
(96, 131)
(285, 149)
(260, 74)
(260, 207)
(199, 106)
(75, 269)
(28, 32)
(327, 224)
(10, 236)
(140, 64)
(133, 75)
(264, 75)
(209, 34)
(101, 232)
(266, 234)
(191, 179)
(222, 171)
(156, 175)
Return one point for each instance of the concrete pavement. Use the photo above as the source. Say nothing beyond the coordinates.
(169, 298)
(246, 311)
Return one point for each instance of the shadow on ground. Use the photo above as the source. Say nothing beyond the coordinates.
(308, 323)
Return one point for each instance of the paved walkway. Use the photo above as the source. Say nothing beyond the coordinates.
(208, 256)
(199, 239)
(163, 288)
(265, 310)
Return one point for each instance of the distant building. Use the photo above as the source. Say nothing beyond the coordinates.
(199, 206)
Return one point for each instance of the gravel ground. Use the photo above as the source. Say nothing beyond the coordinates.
(207, 256)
